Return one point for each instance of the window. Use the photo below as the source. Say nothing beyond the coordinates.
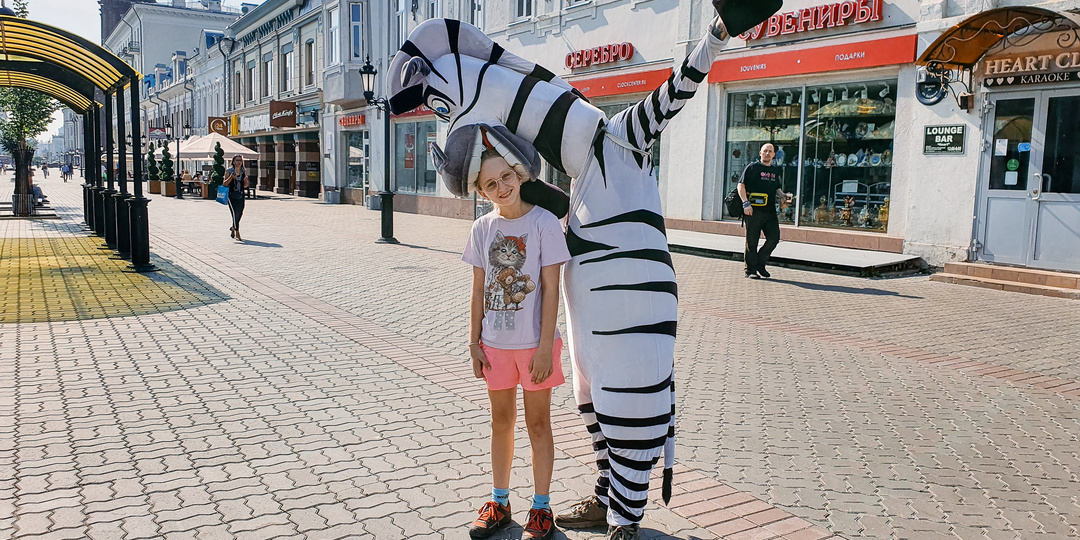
(845, 134)
(357, 17)
(470, 12)
(524, 9)
(285, 83)
(267, 74)
(236, 83)
(432, 9)
(359, 165)
(309, 62)
(334, 36)
(414, 170)
(249, 80)
(402, 23)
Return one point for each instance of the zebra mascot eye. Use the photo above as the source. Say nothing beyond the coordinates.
(440, 106)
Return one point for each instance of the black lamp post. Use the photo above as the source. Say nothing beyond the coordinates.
(367, 75)
(176, 162)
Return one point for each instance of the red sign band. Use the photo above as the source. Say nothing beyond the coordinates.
(816, 18)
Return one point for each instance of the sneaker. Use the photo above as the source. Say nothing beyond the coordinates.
(587, 513)
(752, 275)
(764, 273)
(493, 516)
(623, 532)
(540, 525)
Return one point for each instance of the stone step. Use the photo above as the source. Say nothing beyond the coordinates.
(1030, 276)
(1007, 285)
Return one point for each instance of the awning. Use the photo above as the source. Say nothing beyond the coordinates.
(69, 87)
(964, 44)
(23, 39)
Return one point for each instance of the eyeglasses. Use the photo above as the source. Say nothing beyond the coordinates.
(505, 179)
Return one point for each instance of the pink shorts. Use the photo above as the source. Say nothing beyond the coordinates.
(510, 367)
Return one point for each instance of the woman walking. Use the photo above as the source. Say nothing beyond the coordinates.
(236, 179)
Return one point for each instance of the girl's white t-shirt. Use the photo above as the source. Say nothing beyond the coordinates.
(512, 252)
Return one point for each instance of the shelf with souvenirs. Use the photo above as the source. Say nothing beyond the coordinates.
(847, 165)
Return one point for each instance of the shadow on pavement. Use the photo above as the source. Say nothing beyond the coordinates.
(452, 252)
(257, 243)
(842, 289)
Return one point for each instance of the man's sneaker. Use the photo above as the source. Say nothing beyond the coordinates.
(623, 532)
(753, 275)
(493, 516)
(585, 514)
(764, 273)
(540, 525)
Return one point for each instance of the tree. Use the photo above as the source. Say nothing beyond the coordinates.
(165, 171)
(218, 175)
(28, 114)
(151, 166)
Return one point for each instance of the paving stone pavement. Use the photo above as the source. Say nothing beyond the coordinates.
(305, 403)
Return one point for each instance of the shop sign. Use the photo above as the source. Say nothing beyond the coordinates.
(860, 54)
(282, 114)
(309, 166)
(816, 18)
(943, 140)
(257, 122)
(629, 83)
(156, 134)
(218, 124)
(352, 120)
(1032, 68)
(410, 151)
(422, 110)
(600, 55)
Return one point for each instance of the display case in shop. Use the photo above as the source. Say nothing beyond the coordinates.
(846, 160)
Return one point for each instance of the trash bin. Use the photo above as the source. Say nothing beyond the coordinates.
(374, 202)
(332, 197)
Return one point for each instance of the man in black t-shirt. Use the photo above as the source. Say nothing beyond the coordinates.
(759, 189)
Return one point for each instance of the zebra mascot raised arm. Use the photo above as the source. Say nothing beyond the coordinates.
(619, 287)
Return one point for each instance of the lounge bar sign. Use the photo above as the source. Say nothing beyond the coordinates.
(943, 140)
(603, 54)
(816, 18)
(1035, 68)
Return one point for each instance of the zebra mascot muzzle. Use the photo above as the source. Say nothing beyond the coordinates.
(619, 287)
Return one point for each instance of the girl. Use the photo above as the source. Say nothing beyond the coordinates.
(516, 252)
(236, 179)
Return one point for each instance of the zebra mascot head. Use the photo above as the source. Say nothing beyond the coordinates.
(471, 82)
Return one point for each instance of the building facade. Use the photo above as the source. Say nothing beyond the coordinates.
(73, 138)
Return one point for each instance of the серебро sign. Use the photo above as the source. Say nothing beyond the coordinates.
(599, 55)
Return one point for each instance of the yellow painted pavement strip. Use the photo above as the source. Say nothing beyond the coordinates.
(67, 278)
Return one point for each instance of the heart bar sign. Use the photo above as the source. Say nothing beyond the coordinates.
(1034, 78)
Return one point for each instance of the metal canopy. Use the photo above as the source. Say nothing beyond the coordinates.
(31, 39)
(964, 44)
(72, 89)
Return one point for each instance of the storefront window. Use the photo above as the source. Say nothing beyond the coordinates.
(847, 157)
(758, 118)
(415, 171)
(359, 146)
(845, 132)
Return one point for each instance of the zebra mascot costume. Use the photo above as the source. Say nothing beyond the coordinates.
(619, 287)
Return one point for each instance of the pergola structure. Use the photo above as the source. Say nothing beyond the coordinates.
(91, 81)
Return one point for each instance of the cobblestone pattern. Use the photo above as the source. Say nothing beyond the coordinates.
(862, 442)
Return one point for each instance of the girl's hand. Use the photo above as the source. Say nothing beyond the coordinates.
(479, 361)
(540, 367)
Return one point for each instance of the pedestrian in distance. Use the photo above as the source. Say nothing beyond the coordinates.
(236, 179)
(759, 189)
(516, 252)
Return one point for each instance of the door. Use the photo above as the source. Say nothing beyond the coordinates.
(1030, 212)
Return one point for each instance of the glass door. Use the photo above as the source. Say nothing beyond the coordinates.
(1057, 213)
(1030, 212)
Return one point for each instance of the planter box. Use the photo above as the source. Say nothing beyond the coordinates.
(207, 193)
(155, 186)
(169, 189)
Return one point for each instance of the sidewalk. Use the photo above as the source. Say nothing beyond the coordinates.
(314, 386)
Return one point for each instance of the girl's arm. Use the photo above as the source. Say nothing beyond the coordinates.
(228, 178)
(476, 320)
(540, 367)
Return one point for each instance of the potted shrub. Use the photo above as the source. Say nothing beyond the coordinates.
(152, 172)
(217, 174)
(165, 173)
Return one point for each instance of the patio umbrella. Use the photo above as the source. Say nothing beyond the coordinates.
(203, 148)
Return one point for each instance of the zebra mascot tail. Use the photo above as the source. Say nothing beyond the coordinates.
(619, 286)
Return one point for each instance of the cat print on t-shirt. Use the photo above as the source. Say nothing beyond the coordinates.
(507, 286)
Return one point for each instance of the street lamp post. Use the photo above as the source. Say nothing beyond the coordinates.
(176, 163)
(367, 75)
